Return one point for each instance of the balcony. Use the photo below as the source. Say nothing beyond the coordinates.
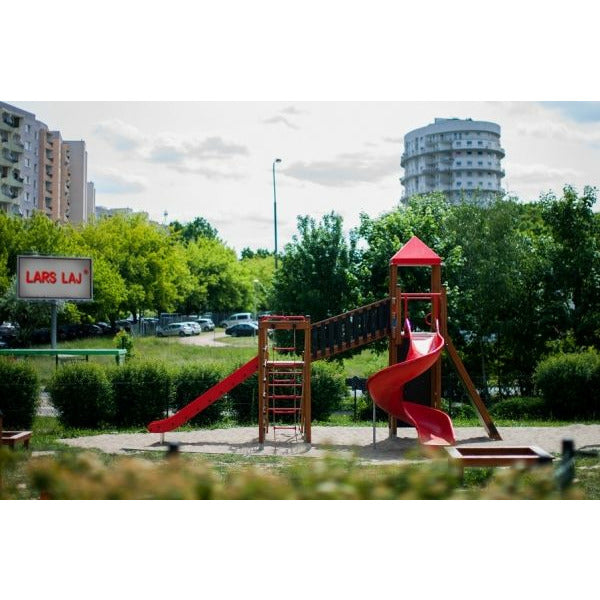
(9, 192)
(10, 120)
(10, 155)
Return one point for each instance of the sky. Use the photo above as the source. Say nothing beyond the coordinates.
(179, 160)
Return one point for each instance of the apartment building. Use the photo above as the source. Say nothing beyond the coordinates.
(459, 157)
(18, 158)
(41, 171)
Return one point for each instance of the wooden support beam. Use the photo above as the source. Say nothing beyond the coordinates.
(482, 413)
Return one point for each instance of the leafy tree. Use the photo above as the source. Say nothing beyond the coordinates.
(151, 265)
(574, 253)
(317, 273)
(257, 273)
(193, 231)
(217, 278)
(260, 253)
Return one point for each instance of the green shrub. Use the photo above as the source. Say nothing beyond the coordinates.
(189, 382)
(244, 401)
(82, 395)
(328, 390)
(364, 409)
(85, 476)
(19, 393)
(124, 341)
(458, 410)
(142, 392)
(570, 384)
(519, 408)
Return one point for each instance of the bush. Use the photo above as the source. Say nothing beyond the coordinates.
(365, 409)
(570, 384)
(85, 476)
(519, 408)
(328, 390)
(189, 382)
(459, 410)
(124, 341)
(244, 400)
(142, 393)
(82, 395)
(19, 393)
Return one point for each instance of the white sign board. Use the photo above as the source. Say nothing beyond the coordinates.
(54, 278)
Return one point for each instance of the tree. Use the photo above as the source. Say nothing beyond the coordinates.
(574, 253)
(218, 283)
(198, 228)
(151, 264)
(317, 273)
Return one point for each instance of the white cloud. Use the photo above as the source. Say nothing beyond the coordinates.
(113, 181)
(346, 170)
(279, 119)
(539, 174)
(120, 135)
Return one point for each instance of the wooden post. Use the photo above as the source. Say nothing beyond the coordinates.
(306, 395)
(394, 338)
(436, 370)
(262, 380)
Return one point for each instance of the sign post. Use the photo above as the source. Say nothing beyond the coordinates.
(54, 278)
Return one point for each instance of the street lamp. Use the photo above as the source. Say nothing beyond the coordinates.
(277, 160)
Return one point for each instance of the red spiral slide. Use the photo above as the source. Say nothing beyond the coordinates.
(206, 399)
(387, 389)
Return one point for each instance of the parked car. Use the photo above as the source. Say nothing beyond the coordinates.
(89, 330)
(206, 324)
(235, 318)
(180, 329)
(106, 328)
(196, 329)
(242, 329)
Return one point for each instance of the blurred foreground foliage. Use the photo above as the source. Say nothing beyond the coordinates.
(88, 476)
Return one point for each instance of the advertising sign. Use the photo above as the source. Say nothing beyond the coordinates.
(54, 278)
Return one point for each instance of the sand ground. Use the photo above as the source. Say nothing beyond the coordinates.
(344, 440)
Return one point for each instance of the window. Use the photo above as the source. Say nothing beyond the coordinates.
(27, 162)
(458, 163)
(480, 143)
(480, 163)
(469, 162)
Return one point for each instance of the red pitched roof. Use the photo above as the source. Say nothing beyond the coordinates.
(416, 254)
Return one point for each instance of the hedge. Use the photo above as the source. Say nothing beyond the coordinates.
(569, 383)
(519, 408)
(19, 393)
(192, 380)
(82, 395)
(142, 393)
(328, 390)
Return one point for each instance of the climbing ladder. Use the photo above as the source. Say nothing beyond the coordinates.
(284, 376)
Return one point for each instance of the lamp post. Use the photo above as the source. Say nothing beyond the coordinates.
(255, 282)
(277, 160)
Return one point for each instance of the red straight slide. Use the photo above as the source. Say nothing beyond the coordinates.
(387, 390)
(206, 399)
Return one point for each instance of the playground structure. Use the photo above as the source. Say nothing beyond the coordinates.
(284, 371)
